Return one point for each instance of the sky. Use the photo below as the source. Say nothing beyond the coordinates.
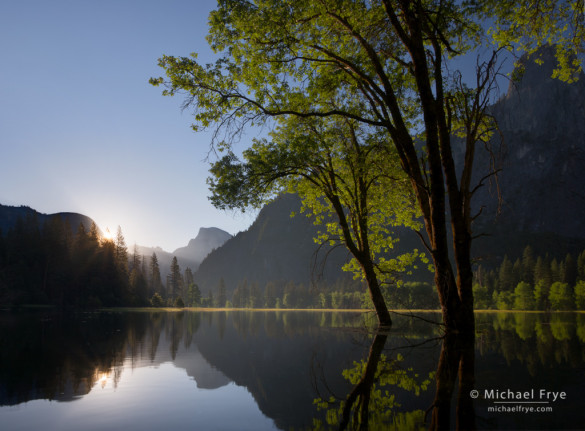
(82, 130)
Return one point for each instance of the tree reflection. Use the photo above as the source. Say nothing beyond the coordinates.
(457, 360)
(409, 378)
(536, 340)
(373, 401)
(59, 357)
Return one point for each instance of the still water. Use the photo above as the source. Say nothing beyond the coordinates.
(288, 370)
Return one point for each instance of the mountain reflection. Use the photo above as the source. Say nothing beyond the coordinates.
(306, 370)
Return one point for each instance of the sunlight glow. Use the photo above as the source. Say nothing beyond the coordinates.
(108, 236)
(102, 379)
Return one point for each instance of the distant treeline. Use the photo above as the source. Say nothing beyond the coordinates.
(532, 283)
(344, 294)
(51, 263)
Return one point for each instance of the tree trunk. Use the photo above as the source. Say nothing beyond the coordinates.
(455, 295)
(363, 256)
(384, 319)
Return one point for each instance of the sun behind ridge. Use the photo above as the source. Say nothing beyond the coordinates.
(108, 236)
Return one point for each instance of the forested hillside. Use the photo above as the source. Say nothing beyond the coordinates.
(43, 262)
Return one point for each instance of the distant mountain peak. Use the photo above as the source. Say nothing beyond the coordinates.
(207, 240)
(209, 235)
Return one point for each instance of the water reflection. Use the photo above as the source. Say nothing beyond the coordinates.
(372, 402)
(286, 370)
(456, 363)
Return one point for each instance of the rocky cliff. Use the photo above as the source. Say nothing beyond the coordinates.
(542, 124)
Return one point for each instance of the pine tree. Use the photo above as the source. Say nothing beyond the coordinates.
(270, 294)
(155, 280)
(241, 296)
(542, 272)
(196, 297)
(570, 271)
(136, 259)
(94, 233)
(138, 287)
(581, 266)
(188, 277)
(528, 264)
(221, 293)
(143, 269)
(175, 281)
(121, 251)
(256, 296)
(506, 276)
(516, 273)
(555, 271)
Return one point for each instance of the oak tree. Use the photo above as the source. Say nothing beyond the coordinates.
(387, 65)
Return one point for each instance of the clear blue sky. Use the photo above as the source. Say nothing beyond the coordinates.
(81, 130)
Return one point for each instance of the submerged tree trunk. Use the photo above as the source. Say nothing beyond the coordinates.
(455, 294)
(384, 319)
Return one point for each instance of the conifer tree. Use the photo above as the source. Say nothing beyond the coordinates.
(506, 276)
(542, 272)
(175, 283)
(270, 294)
(121, 251)
(196, 296)
(143, 269)
(221, 293)
(528, 264)
(155, 280)
(136, 259)
(516, 273)
(581, 266)
(570, 270)
(256, 296)
(94, 235)
(188, 277)
(138, 287)
(556, 271)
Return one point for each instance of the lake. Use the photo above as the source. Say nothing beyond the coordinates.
(255, 370)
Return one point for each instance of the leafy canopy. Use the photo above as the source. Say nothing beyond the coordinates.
(528, 25)
(346, 176)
